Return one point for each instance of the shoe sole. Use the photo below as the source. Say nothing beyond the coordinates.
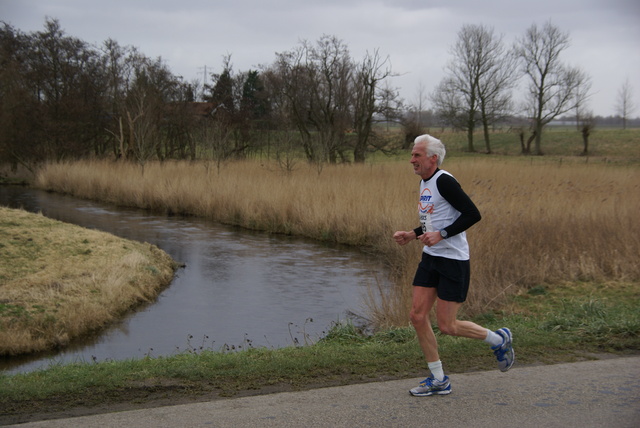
(513, 360)
(428, 394)
(512, 352)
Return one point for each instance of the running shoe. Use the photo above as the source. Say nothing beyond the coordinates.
(431, 386)
(505, 353)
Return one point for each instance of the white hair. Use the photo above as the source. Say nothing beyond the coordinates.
(432, 145)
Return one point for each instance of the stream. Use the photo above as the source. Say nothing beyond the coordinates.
(238, 288)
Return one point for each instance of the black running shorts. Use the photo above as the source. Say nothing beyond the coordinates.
(451, 277)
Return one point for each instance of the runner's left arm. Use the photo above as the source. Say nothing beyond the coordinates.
(451, 190)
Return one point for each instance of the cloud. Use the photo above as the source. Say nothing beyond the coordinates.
(415, 34)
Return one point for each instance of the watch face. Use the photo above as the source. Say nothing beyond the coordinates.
(443, 233)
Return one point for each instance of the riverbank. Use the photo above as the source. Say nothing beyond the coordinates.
(545, 220)
(61, 281)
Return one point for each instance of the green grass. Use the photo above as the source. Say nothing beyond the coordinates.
(559, 144)
(608, 144)
(550, 324)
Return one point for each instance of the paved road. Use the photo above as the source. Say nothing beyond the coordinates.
(603, 393)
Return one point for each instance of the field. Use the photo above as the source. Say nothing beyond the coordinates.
(605, 144)
(546, 220)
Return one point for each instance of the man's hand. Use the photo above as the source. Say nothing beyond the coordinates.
(430, 238)
(402, 237)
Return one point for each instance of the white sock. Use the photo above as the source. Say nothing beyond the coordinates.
(436, 370)
(493, 338)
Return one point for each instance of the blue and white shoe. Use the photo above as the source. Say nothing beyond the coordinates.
(431, 386)
(505, 353)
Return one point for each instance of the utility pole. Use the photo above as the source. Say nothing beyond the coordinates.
(204, 80)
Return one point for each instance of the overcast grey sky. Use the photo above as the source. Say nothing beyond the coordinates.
(416, 35)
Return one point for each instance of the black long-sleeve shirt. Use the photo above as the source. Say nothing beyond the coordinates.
(452, 192)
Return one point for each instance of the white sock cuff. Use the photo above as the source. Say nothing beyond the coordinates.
(436, 369)
(493, 338)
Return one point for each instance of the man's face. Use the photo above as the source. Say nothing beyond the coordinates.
(423, 165)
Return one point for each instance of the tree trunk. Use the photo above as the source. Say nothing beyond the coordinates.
(585, 141)
(538, 140)
(487, 142)
(526, 147)
(470, 139)
(358, 154)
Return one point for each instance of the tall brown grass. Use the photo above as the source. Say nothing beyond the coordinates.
(544, 221)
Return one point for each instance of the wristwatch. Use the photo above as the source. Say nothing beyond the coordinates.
(444, 234)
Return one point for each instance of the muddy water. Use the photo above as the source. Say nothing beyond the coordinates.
(237, 289)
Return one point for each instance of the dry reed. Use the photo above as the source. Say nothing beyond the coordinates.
(543, 221)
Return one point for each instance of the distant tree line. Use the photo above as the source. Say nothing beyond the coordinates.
(62, 98)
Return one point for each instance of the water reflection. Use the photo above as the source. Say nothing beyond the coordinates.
(237, 286)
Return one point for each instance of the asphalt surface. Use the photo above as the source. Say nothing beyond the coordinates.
(602, 393)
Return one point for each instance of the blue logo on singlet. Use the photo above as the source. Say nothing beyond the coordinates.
(425, 205)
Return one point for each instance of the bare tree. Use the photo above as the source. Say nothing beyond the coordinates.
(553, 87)
(141, 107)
(119, 63)
(287, 84)
(587, 125)
(497, 77)
(146, 107)
(389, 104)
(64, 98)
(315, 80)
(449, 104)
(321, 91)
(477, 88)
(366, 91)
(286, 155)
(583, 88)
(19, 119)
(68, 79)
(420, 106)
(332, 71)
(217, 147)
(625, 105)
(464, 73)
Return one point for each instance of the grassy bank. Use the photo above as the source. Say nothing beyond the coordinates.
(569, 322)
(545, 221)
(59, 281)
